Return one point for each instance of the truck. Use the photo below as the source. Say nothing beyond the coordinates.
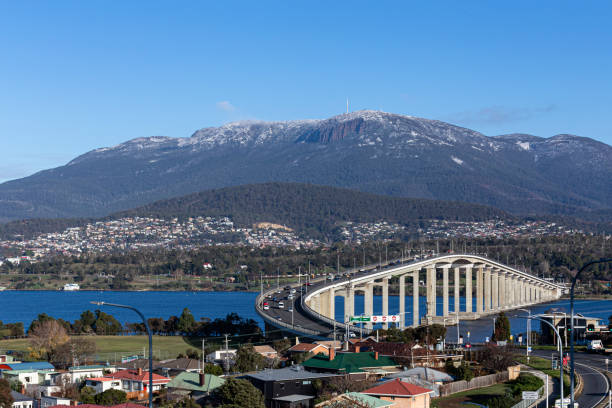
(595, 346)
(566, 403)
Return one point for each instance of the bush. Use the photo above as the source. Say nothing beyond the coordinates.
(525, 382)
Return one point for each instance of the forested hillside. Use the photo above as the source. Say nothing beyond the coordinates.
(309, 209)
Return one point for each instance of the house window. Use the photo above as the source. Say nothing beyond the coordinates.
(306, 382)
(126, 386)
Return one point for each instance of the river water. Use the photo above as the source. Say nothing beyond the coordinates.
(24, 306)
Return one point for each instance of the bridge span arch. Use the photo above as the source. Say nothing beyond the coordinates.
(488, 287)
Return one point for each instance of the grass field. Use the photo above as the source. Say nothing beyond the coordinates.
(478, 395)
(112, 348)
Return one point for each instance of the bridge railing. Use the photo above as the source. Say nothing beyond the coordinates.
(258, 308)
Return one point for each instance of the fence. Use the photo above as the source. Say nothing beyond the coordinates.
(477, 382)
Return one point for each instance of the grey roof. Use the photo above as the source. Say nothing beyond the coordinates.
(296, 372)
(294, 398)
(17, 397)
(179, 364)
(423, 373)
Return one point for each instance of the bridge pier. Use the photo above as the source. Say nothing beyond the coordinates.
(431, 291)
(468, 289)
(457, 287)
(385, 300)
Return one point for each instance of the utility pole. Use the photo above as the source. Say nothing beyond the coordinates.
(225, 360)
(203, 353)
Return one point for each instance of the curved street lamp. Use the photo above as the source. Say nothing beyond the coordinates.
(572, 335)
(560, 349)
(150, 342)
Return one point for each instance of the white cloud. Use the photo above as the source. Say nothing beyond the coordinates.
(226, 106)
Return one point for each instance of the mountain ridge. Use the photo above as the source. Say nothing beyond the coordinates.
(371, 151)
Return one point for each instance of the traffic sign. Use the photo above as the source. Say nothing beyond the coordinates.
(530, 395)
(360, 318)
(529, 349)
(385, 319)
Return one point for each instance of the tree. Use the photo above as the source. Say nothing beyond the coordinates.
(186, 323)
(111, 397)
(239, 393)
(247, 359)
(502, 328)
(87, 395)
(106, 324)
(46, 337)
(496, 358)
(77, 350)
(213, 369)
(6, 400)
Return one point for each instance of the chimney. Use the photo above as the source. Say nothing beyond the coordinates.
(376, 355)
(357, 349)
(202, 379)
(297, 340)
(139, 371)
(332, 353)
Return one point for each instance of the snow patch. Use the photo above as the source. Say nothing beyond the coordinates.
(523, 145)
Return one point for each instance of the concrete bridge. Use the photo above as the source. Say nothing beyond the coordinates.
(487, 286)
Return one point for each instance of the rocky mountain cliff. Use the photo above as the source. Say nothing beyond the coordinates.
(371, 151)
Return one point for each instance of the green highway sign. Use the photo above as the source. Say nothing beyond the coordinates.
(360, 318)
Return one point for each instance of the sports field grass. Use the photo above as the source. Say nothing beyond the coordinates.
(112, 348)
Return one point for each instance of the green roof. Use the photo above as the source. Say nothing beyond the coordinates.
(349, 362)
(368, 400)
(191, 381)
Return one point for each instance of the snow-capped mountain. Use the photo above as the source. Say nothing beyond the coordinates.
(367, 150)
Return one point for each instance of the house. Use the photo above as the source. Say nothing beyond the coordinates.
(77, 373)
(423, 373)
(101, 384)
(46, 402)
(309, 348)
(193, 385)
(171, 368)
(357, 400)
(136, 382)
(403, 394)
(287, 387)
(30, 377)
(356, 364)
(219, 356)
(21, 401)
(266, 351)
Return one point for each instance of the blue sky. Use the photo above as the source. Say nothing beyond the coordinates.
(79, 75)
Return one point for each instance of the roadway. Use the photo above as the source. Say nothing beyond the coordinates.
(596, 385)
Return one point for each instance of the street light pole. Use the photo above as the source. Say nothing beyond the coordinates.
(150, 342)
(573, 335)
(560, 350)
(528, 332)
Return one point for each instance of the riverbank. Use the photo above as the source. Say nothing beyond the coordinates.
(48, 282)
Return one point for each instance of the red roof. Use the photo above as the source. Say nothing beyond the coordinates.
(306, 347)
(397, 388)
(135, 375)
(124, 405)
